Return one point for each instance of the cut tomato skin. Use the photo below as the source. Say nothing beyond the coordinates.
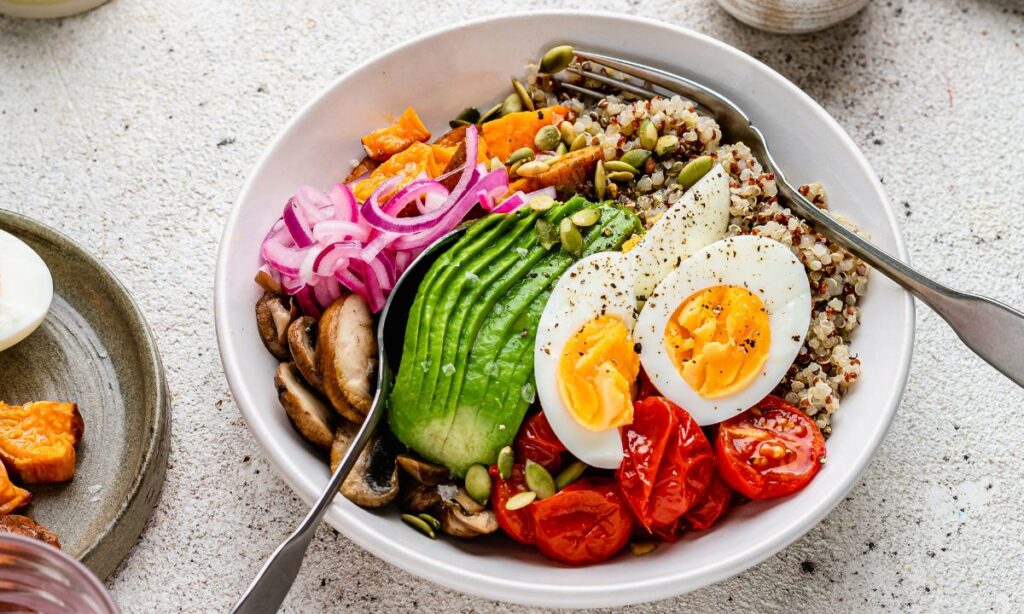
(667, 465)
(710, 508)
(585, 523)
(771, 450)
(517, 524)
(536, 441)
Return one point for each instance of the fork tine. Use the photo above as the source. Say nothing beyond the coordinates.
(580, 89)
(643, 92)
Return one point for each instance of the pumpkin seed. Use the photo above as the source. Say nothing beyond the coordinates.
(636, 157)
(613, 191)
(648, 134)
(572, 240)
(694, 170)
(478, 483)
(585, 218)
(642, 548)
(600, 180)
(468, 116)
(512, 170)
(579, 142)
(567, 132)
(666, 145)
(537, 477)
(523, 154)
(541, 203)
(419, 524)
(620, 176)
(561, 150)
(521, 500)
(512, 104)
(571, 473)
(433, 522)
(547, 234)
(556, 60)
(533, 168)
(496, 163)
(490, 114)
(547, 138)
(505, 460)
(524, 96)
(619, 166)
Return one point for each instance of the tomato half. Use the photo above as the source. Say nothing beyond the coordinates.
(771, 450)
(710, 508)
(516, 523)
(667, 465)
(537, 442)
(587, 522)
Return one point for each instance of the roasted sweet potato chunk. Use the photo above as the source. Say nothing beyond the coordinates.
(386, 142)
(37, 440)
(567, 173)
(11, 497)
(516, 130)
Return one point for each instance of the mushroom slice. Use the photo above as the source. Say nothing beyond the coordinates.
(422, 471)
(457, 523)
(373, 481)
(311, 417)
(418, 498)
(301, 334)
(346, 352)
(273, 315)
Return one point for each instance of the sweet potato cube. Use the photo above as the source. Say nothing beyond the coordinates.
(568, 173)
(517, 130)
(383, 143)
(37, 440)
(11, 497)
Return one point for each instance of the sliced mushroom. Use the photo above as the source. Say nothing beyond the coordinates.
(273, 315)
(346, 351)
(418, 498)
(373, 481)
(457, 523)
(301, 334)
(267, 282)
(422, 471)
(311, 417)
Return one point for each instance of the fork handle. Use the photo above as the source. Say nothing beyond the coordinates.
(994, 331)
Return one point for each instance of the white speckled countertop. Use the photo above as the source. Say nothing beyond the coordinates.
(131, 129)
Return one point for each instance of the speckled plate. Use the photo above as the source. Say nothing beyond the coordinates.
(94, 349)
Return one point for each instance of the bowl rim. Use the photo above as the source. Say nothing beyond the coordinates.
(510, 590)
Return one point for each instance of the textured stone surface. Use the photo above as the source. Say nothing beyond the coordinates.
(131, 128)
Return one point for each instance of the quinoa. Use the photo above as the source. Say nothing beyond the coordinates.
(825, 367)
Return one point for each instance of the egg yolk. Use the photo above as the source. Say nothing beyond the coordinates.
(718, 339)
(596, 373)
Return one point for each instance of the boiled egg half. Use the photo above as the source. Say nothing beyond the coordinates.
(26, 290)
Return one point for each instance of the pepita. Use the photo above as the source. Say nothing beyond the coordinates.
(579, 142)
(505, 461)
(567, 132)
(648, 134)
(521, 500)
(419, 524)
(620, 176)
(666, 145)
(561, 150)
(524, 96)
(572, 242)
(491, 113)
(636, 157)
(642, 548)
(619, 166)
(533, 168)
(556, 60)
(537, 477)
(541, 203)
(570, 474)
(547, 138)
(547, 234)
(478, 483)
(585, 218)
(600, 180)
(512, 104)
(433, 522)
(694, 170)
(496, 163)
(523, 154)
(468, 116)
(613, 191)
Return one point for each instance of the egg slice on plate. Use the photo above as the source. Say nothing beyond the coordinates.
(26, 290)
(719, 332)
(584, 360)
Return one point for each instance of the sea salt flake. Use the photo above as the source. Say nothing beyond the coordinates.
(448, 369)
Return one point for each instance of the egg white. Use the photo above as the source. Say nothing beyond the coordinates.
(595, 285)
(766, 268)
(26, 290)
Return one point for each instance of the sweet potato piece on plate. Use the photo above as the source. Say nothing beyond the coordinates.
(516, 130)
(408, 129)
(567, 172)
(37, 440)
(11, 497)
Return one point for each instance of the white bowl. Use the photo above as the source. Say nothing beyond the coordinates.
(440, 74)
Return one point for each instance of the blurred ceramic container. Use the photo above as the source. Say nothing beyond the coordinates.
(36, 577)
(792, 16)
(46, 9)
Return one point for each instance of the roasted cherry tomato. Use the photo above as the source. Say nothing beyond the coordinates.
(516, 523)
(710, 508)
(587, 522)
(537, 442)
(770, 450)
(666, 467)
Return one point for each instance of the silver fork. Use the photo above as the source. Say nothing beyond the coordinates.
(994, 331)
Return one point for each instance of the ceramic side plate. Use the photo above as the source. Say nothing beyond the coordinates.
(95, 349)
